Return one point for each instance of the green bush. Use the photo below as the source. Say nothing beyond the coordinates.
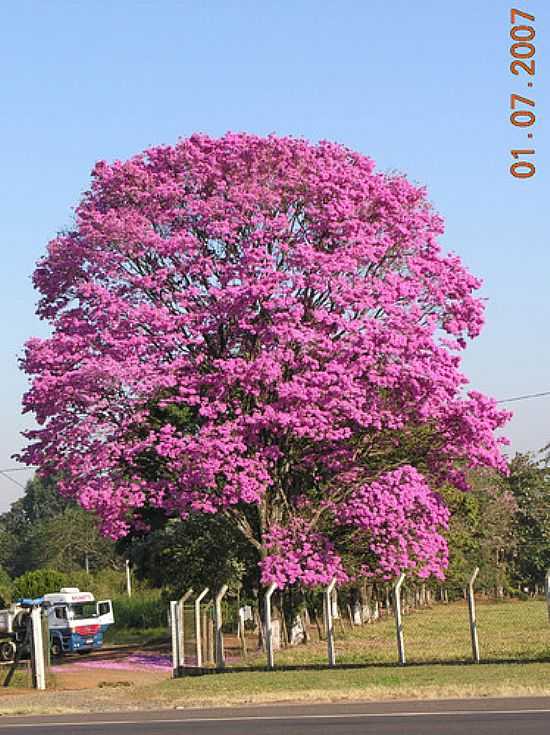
(105, 583)
(102, 584)
(145, 610)
(108, 583)
(39, 582)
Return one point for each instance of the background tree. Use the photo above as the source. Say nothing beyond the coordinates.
(296, 306)
(502, 526)
(41, 502)
(197, 552)
(529, 482)
(44, 529)
(71, 541)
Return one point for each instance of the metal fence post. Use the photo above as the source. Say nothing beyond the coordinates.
(37, 650)
(329, 623)
(398, 619)
(268, 629)
(220, 654)
(472, 615)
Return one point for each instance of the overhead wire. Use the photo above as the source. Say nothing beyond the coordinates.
(15, 482)
(523, 398)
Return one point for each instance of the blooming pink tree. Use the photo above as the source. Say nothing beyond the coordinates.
(266, 329)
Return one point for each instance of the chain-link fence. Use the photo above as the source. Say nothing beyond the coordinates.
(435, 630)
(513, 629)
(203, 642)
(418, 624)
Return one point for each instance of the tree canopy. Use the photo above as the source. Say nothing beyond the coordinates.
(268, 330)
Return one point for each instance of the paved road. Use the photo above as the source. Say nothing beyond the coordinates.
(473, 717)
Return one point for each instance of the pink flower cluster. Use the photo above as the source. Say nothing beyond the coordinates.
(395, 524)
(399, 522)
(297, 303)
(299, 554)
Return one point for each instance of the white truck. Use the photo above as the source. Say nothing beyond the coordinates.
(76, 621)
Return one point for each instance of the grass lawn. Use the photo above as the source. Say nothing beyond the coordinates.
(423, 681)
(117, 635)
(355, 684)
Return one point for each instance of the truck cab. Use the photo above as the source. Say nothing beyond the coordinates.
(76, 621)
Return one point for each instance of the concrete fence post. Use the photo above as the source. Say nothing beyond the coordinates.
(128, 578)
(218, 622)
(398, 619)
(208, 633)
(37, 650)
(198, 635)
(241, 631)
(174, 637)
(268, 627)
(46, 646)
(547, 591)
(329, 623)
(472, 616)
(181, 626)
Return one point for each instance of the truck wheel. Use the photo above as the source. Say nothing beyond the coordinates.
(56, 649)
(7, 651)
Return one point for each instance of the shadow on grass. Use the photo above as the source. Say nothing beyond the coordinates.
(195, 671)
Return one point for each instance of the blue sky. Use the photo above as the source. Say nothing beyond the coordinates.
(421, 87)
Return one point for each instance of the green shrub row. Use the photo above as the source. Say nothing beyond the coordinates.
(144, 610)
(105, 583)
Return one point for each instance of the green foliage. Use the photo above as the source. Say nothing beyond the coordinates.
(39, 582)
(529, 482)
(502, 526)
(481, 534)
(40, 503)
(64, 542)
(43, 529)
(103, 583)
(202, 551)
(146, 610)
(6, 588)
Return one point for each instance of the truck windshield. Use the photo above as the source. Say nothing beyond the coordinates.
(84, 610)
